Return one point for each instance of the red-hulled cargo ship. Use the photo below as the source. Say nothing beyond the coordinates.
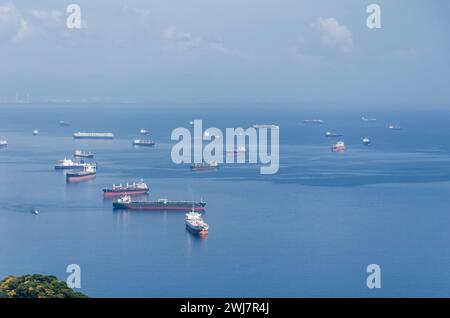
(135, 188)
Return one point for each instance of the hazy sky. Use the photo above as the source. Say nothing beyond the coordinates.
(306, 52)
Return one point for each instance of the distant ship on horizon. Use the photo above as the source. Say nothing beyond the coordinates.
(367, 119)
(313, 121)
(331, 134)
(212, 165)
(3, 143)
(143, 142)
(83, 154)
(63, 123)
(270, 126)
(93, 135)
(394, 127)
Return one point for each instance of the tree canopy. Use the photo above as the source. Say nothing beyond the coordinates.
(36, 286)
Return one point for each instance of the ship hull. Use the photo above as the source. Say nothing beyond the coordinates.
(144, 144)
(157, 207)
(68, 167)
(93, 137)
(204, 168)
(83, 156)
(111, 193)
(196, 231)
(337, 149)
(75, 178)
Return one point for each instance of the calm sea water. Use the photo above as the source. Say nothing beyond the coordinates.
(309, 230)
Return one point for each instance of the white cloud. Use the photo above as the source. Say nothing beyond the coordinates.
(334, 34)
(13, 26)
(188, 41)
(49, 18)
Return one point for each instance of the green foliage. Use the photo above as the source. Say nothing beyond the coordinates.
(36, 286)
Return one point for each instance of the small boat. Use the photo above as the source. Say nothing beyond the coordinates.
(89, 172)
(338, 147)
(34, 211)
(69, 164)
(144, 132)
(314, 121)
(394, 127)
(3, 143)
(63, 123)
(195, 224)
(83, 154)
(191, 123)
(366, 141)
(367, 119)
(35, 132)
(331, 134)
(143, 142)
(205, 165)
(136, 188)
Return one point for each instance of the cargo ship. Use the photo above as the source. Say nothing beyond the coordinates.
(314, 121)
(338, 147)
(205, 165)
(195, 224)
(366, 141)
(89, 172)
(331, 134)
(92, 135)
(144, 132)
(3, 143)
(69, 164)
(83, 154)
(143, 142)
(136, 188)
(63, 123)
(125, 203)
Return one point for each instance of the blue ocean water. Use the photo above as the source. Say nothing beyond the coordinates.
(309, 230)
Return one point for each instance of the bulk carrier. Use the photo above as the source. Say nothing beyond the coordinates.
(136, 188)
(195, 224)
(88, 173)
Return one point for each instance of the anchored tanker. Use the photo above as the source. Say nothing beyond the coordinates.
(125, 203)
(92, 135)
